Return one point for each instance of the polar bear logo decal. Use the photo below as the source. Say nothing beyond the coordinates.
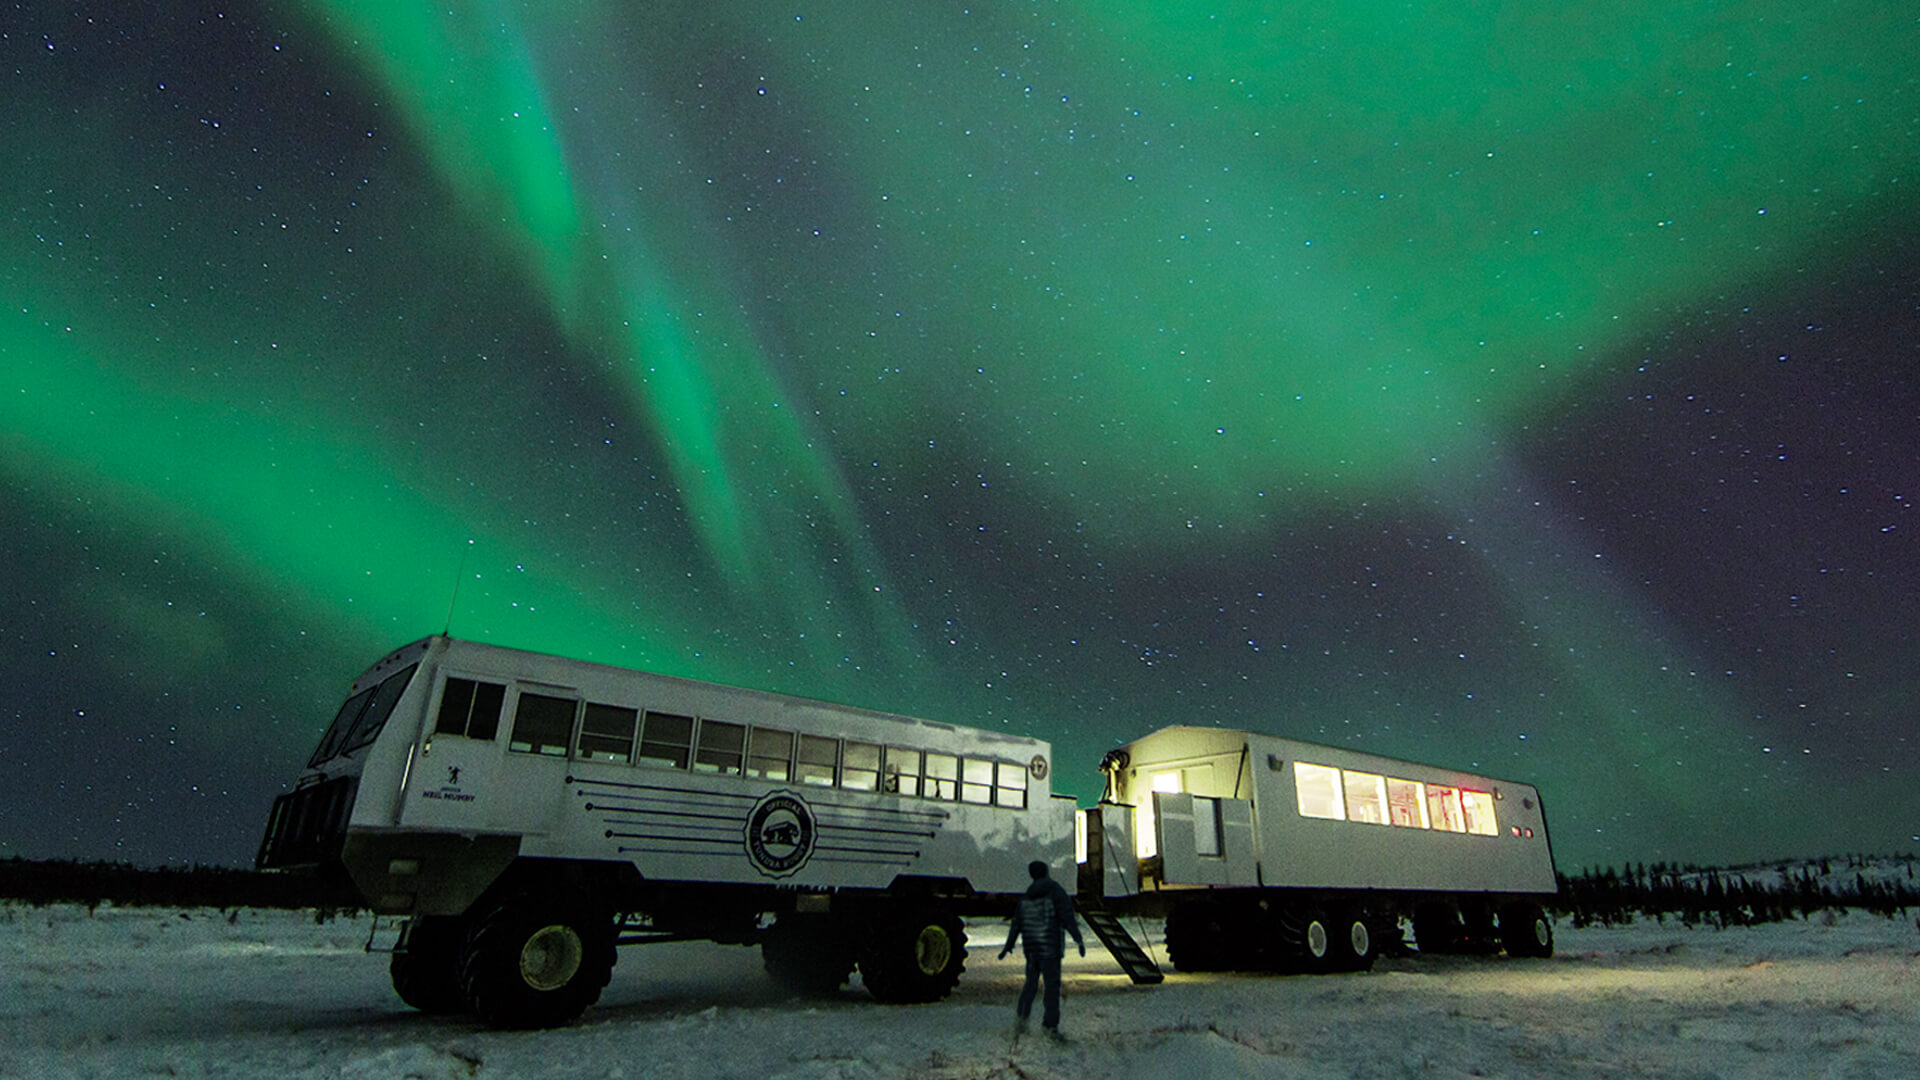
(779, 834)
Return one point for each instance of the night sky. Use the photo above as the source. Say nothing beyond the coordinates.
(1526, 389)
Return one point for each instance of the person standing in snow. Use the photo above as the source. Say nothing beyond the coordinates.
(1041, 921)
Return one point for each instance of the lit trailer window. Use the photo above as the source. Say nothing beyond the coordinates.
(1334, 794)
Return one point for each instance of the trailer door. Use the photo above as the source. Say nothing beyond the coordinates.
(1204, 840)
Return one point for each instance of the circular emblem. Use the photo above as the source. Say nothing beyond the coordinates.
(1037, 768)
(779, 833)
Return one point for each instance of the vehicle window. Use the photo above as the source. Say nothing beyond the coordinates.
(770, 754)
(860, 767)
(1366, 796)
(606, 732)
(943, 777)
(1317, 789)
(367, 728)
(818, 759)
(470, 708)
(542, 724)
(1011, 790)
(1206, 825)
(665, 740)
(1477, 807)
(721, 745)
(903, 771)
(343, 722)
(976, 781)
(1407, 803)
(1443, 808)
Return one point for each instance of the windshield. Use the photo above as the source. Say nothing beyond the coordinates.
(360, 719)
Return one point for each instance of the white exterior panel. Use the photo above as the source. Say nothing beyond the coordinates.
(1298, 851)
(1120, 871)
(683, 823)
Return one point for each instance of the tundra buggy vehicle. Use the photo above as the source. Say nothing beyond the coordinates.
(1264, 852)
(512, 804)
(527, 813)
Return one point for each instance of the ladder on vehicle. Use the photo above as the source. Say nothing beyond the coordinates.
(1133, 959)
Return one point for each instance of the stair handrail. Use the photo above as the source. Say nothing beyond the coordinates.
(1146, 940)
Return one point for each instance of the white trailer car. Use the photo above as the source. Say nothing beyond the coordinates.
(528, 813)
(1274, 853)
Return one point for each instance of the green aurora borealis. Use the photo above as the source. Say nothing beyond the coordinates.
(1509, 387)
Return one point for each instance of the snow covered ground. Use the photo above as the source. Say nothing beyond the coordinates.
(156, 992)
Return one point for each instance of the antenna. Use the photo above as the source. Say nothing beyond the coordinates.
(458, 576)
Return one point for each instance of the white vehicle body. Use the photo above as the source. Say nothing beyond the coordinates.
(567, 770)
(1225, 808)
(1240, 834)
(459, 773)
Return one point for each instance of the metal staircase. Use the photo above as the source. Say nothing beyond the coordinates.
(1133, 959)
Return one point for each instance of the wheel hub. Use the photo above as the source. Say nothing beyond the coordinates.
(551, 957)
(1316, 939)
(932, 949)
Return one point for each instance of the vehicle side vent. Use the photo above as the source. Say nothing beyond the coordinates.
(308, 825)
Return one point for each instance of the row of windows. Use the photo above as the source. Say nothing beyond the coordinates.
(543, 724)
(1347, 795)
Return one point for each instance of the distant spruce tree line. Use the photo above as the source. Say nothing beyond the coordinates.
(1735, 896)
(66, 881)
(1740, 896)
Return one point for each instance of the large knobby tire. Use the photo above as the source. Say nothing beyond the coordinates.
(535, 961)
(914, 957)
(1197, 937)
(806, 955)
(426, 964)
(1525, 930)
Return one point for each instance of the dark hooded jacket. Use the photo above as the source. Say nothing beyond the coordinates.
(1042, 920)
